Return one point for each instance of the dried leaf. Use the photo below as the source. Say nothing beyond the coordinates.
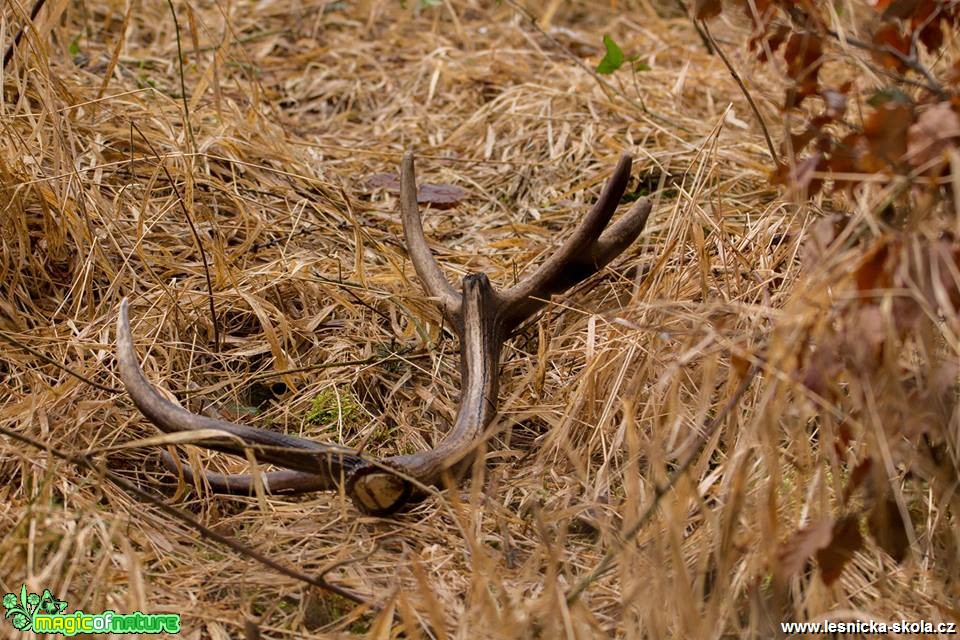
(804, 56)
(765, 43)
(888, 39)
(886, 132)
(888, 529)
(800, 547)
(706, 9)
(931, 33)
(802, 177)
(842, 443)
(740, 365)
(845, 541)
(822, 234)
(797, 142)
(864, 338)
(822, 369)
(388, 181)
(873, 272)
(441, 196)
(860, 473)
(936, 130)
(898, 8)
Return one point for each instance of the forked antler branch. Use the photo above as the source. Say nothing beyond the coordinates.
(483, 319)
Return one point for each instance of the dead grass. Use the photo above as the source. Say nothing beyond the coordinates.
(290, 107)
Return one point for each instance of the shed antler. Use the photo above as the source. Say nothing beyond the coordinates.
(482, 317)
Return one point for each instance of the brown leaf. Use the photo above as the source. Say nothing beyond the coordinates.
(845, 541)
(441, 196)
(886, 131)
(797, 142)
(845, 158)
(873, 272)
(860, 473)
(931, 33)
(864, 338)
(898, 8)
(822, 369)
(800, 547)
(952, 74)
(773, 41)
(842, 443)
(706, 9)
(886, 39)
(388, 181)
(803, 55)
(936, 130)
(822, 234)
(888, 529)
(740, 365)
(801, 178)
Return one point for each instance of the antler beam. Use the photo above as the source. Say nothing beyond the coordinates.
(483, 319)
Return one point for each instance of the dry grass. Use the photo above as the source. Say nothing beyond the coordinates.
(289, 107)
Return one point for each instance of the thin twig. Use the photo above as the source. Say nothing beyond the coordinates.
(196, 237)
(743, 89)
(910, 61)
(183, 86)
(39, 354)
(206, 532)
(607, 561)
(8, 56)
(696, 25)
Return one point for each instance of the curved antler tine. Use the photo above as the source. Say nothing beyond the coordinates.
(242, 484)
(565, 267)
(621, 234)
(434, 282)
(275, 448)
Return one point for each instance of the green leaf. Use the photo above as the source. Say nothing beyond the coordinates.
(641, 66)
(613, 58)
(74, 47)
(23, 596)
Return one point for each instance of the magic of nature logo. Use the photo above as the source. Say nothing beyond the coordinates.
(44, 613)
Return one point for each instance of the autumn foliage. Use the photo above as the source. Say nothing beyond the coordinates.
(869, 121)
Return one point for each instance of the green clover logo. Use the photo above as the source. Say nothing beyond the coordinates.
(23, 610)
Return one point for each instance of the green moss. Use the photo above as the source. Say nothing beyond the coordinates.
(333, 404)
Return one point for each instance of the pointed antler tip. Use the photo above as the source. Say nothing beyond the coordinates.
(123, 319)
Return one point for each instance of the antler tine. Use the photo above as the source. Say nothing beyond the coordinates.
(608, 246)
(621, 234)
(275, 448)
(577, 258)
(434, 282)
(242, 484)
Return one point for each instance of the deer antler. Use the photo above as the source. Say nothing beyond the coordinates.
(483, 319)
